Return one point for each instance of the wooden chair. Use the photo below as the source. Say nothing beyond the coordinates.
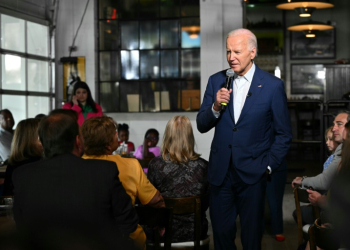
(189, 205)
(301, 195)
(321, 237)
(157, 218)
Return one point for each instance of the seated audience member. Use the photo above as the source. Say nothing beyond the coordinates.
(180, 172)
(100, 140)
(324, 179)
(149, 148)
(331, 145)
(68, 112)
(123, 134)
(40, 116)
(339, 198)
(317, 199)
(6, 134)
(82, 103)
(67, 198)
(25, 148)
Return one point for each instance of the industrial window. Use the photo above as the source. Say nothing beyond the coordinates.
(149, 55)
(27, 85)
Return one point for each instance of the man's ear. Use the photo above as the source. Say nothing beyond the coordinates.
(79, 144)
(253, 53)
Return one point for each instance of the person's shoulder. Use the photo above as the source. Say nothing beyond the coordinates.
(98, 162)
(98, 106)
(67, 105)
(219, 74)
(203, 161)
(267, 76)
(157, 162)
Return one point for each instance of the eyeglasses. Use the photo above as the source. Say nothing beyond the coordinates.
(152, 138)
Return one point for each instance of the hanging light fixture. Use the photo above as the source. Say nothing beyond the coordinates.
(304, 8)
(310, 27)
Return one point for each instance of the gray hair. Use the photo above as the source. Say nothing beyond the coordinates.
(344, 111)
(252, 41)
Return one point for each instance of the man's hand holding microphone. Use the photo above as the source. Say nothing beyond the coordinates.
(223, 95)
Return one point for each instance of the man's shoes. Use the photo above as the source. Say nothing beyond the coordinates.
(279, 237)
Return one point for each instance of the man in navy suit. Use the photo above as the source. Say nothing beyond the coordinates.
(243, 153)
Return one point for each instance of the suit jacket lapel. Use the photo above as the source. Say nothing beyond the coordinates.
(255, 88)
(230, 104)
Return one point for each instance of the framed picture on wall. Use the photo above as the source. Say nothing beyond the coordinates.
(307, 79)
(321, 46)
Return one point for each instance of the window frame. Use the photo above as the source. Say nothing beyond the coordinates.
(27, 56)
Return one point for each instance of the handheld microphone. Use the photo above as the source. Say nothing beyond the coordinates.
(229, 76)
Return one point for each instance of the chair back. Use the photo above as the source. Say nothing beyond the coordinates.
(157, 218)
(189, 205)
(321, 236)
(301, 195)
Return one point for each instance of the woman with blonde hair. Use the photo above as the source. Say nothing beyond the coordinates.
(180, 172)
(25, 148)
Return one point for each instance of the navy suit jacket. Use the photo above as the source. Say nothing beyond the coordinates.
(248, 142)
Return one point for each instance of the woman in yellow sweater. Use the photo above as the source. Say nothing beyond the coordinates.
(100, 137)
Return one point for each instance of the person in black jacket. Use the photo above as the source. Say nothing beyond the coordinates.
(69, 199)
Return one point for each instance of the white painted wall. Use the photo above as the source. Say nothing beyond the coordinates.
(218, 17)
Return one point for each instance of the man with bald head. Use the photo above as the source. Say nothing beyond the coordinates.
(252, 137)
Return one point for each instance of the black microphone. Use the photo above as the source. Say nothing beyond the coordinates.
(229, 76)
(249, 94)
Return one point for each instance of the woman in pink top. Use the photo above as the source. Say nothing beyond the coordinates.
(82, 103)
(149, 148)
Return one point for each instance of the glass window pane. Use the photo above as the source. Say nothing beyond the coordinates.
(38, 105)
(149, 61)
(170, 8)
(129, 35)
(149, 9)
(109, 35)
(172, 90)
(38, 76)
(130, 64)
(169, 34)
(13, 72)
(149, 35)
(109, 96)
(190, 63)
(12, 33)
(130, 97)
(109, 66)
(117, 9)
(150, 96)
(190, 7)
(170, 63)
(17, 105)
(37, 39)
(190, 33)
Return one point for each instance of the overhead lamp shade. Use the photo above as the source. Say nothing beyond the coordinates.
(310, 25)
(304, 11)
(304, 4)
